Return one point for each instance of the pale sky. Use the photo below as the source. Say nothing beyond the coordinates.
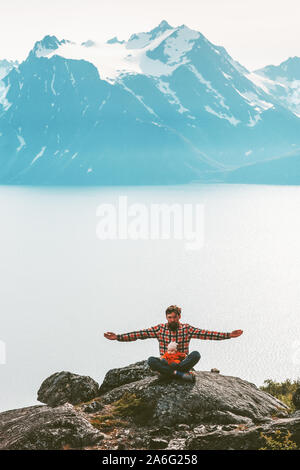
(254, 32)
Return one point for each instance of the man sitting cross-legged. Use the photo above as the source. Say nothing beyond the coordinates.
(177, 361)
(174, 331)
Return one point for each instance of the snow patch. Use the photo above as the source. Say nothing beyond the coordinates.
(263, 82)
(117, 58)
(228, 77)
(177, 46)
(254, 100)
(40, 154)
(85, 109)
(139, 98)
(253, 120)
(101, 105)
(6, 67)
(138, 41)
(210, 89)
(22, 142)
(73, 81)
(164, 87)
(3, 92)
(231, 119)
(42, 51)
(52, 84)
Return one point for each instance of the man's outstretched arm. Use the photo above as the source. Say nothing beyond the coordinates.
(134, 335)
(212, 335)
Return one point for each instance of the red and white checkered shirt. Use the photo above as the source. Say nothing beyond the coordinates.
(182, 336)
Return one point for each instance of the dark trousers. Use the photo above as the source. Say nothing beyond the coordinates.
(162, 366)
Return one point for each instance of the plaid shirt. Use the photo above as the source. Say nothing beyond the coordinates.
(182, 336)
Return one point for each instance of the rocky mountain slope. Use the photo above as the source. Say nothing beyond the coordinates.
(283, 171)
(135, 409)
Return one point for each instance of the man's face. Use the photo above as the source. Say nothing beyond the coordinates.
(173, 320)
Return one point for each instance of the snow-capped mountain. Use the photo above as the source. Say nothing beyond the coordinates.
(166, 106)
(283, 83)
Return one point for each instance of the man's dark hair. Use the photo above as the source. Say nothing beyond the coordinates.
(173, 308)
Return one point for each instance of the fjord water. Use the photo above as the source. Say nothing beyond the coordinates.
(62, 288)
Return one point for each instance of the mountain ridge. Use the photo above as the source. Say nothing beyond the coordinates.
(165, 107)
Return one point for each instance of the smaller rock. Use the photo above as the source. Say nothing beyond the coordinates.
(229, 427)
(282, 414)
(46, 428)
(126, 375)
(200, 429)
(215, 370)
(121, 446)
(176, 444)
(160, 431)
(138, 442)
(183, 427)
(92, 407)
(65, 387)
(226, 417)
(157, 443)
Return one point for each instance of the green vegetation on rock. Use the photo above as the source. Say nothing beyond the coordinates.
(278, 441)
(128, 406)
(282, 390)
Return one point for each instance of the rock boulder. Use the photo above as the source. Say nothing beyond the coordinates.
(125, 375)
(46, 428)
(65, 387)
(137, 409)
(214, 398)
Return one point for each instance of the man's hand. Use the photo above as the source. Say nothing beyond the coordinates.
(236, 333)
(110, 335)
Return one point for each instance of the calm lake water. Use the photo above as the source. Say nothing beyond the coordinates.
(61, 287)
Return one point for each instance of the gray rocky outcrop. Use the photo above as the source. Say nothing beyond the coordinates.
(65, 387)
(216, 412)
(241, 437)
(124, 375)
(44, 427)
(213, 398)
